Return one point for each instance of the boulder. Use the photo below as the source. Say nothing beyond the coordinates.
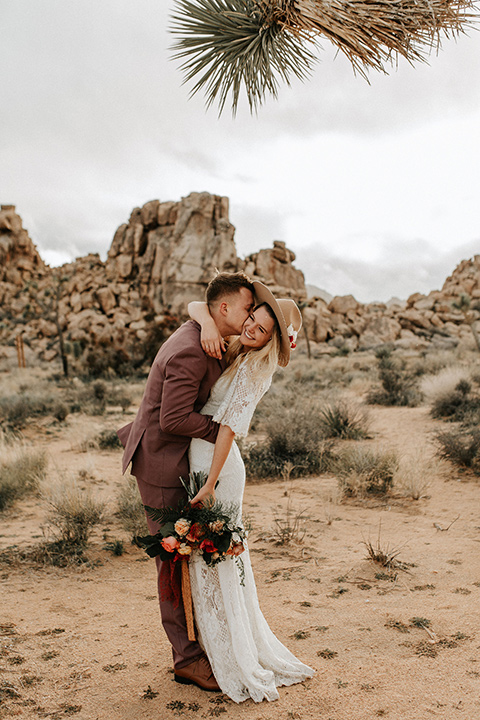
(341, 304)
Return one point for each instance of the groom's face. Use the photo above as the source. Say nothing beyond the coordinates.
(239, 306)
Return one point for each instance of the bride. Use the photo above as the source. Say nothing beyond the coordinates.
(248, 661)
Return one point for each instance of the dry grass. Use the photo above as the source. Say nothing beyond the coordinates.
(434, 387)
(415, 473)
(22, 468)
(344, 420)
(130, 510)
(382, 554)
(288, 525)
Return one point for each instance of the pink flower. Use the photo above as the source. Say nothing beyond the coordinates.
(182, 526)
(170, 544)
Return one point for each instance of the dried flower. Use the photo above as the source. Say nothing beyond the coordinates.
(182, 526)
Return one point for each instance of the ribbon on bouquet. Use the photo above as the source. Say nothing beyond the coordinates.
(172, 590)
(187, 599)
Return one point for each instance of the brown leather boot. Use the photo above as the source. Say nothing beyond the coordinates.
(198, 673)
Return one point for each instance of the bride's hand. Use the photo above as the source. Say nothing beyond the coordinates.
(205, 497)
(212, 341)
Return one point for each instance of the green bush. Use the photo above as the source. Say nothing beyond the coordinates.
(460, 404)
(344, 420)
(60, 411)
(294, 435)
(398, 387)
(462, 447)
(108, 440)
(103, 362)
(362, 472)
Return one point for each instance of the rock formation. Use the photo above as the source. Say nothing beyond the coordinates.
(19, 258)
(159, 260)
(163, 257)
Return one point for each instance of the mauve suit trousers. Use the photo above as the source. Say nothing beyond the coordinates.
(157, 442)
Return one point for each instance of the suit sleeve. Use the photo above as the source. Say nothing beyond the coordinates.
(183, 374)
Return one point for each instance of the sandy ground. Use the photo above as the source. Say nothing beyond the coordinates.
(87, 642)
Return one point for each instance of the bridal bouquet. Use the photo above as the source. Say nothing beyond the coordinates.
(206, 529)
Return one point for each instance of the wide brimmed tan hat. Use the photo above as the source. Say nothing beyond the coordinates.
(288, 316)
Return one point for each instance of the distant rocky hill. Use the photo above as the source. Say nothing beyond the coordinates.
(163, 257)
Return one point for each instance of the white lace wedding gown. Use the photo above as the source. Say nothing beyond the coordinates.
(247, 659)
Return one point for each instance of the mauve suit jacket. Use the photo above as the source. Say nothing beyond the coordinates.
(178, 386)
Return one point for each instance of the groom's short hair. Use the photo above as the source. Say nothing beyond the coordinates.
(225, 283)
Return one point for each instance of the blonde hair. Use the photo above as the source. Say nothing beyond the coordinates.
(264, 361)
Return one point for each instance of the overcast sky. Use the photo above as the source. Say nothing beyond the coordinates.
(375, 187)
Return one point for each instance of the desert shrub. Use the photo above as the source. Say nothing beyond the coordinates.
(99, 390)
(60, 411)
(415, 473)
(294, 435)
(116, 547)
(432, 363)
(361, 471)
(120, 398)
(103, 361)
(15, 410)
(303, 373)
(21, 470)
(344, 420)
(108, 440)
(462, 447)
(130, 509)
(398, 387)
(460, 404)
(72, 514)
(341, 351)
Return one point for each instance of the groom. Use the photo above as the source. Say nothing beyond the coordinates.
(157, 441)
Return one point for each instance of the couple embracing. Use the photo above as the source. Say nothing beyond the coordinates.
(197, 399)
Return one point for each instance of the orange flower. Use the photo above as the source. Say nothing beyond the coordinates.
(235, 549)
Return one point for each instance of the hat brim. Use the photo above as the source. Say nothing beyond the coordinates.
(264, 295)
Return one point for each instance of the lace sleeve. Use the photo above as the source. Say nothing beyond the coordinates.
(242, 397)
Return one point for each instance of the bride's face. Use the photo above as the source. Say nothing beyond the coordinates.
(257, 329)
